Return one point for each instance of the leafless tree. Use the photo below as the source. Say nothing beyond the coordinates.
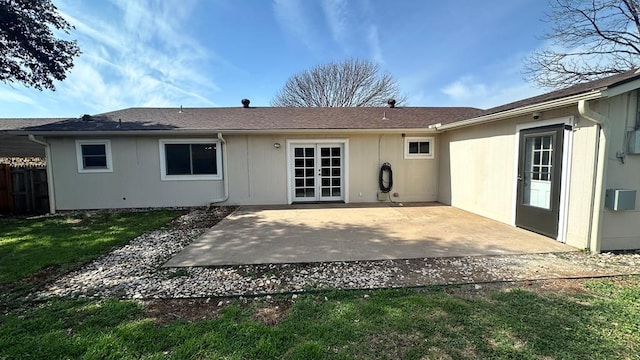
(346, 84)
(589, 39)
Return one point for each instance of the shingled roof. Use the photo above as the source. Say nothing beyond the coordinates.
(23, 123)
(587, 87)
(262, 118)
(282, 119)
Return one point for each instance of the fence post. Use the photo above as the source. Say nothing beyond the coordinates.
(6, 191)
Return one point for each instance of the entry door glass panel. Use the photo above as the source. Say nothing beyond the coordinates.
(540, 179)
(304, 160)
(538, 169)
(318, 173)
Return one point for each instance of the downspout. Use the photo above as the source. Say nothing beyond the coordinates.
(601, 174)
(225, 174)
(47, 154)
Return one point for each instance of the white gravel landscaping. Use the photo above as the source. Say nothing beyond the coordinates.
(135, 270)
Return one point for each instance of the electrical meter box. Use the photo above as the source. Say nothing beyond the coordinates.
(620, 199)
(634, 142)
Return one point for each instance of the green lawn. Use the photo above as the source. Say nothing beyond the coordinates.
(63, 242)
(597, 319)
(601, 323)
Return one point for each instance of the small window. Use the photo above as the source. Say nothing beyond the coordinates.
(197, 159)
(93, 156)
(418, 147)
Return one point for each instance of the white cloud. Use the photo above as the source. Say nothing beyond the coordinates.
(14, 96)
(468, 91)
(465, 89)
(374, 43)
(291, 16)
(337, 15)
(146, 59)
(351, 25)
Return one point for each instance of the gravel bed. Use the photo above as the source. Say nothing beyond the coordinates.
(135, 271)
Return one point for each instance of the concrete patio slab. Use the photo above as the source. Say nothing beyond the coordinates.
(317, 233)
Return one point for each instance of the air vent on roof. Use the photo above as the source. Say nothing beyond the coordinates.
(392, 103)
(245, 103)
(86, 117)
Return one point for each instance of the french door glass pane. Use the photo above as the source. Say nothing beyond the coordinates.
(317, 171)
(304, 172)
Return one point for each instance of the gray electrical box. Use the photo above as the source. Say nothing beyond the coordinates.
(620, 199)
(634, 142)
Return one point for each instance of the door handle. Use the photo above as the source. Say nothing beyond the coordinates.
(519, 177)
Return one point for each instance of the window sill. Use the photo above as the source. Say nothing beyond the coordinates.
(419, 157)
(190, 177)
(89, 171)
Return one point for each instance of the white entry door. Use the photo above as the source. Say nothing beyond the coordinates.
(317, 172)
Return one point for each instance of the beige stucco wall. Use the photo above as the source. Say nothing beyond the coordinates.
(135, 180)
(478, 163)
(583, 166)
(476, 169)
(257, 173)
(621, 229)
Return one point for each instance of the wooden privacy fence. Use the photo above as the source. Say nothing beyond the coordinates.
(23, 190)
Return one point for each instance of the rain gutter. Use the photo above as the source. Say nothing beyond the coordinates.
(186, 132)
(525, 110)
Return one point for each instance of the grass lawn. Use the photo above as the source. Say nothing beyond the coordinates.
(594, 319)
(61, 243)
(601, 321)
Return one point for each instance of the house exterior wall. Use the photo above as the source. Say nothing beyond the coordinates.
(19, 146)
(620, 229)
(257, 173)
(133, 183)
(478, 170)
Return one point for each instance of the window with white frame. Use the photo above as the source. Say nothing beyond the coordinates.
(94, 156)
(418, 147)
(190, 159)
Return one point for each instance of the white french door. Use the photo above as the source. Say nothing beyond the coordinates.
(317, 172)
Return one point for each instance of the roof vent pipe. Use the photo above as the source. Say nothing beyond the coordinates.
(245, 103)
(392, 103)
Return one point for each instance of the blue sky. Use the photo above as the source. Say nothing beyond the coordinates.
(210, 53)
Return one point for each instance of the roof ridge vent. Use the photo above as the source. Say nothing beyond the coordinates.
(245, 103)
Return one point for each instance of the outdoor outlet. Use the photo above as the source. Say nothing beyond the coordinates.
(396, 194)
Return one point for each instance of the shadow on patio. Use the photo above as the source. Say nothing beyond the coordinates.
(260, 235)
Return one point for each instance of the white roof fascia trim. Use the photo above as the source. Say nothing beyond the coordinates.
(623, 88)
(226, 132)
(547, 105)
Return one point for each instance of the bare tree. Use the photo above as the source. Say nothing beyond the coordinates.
(590, 39)
(30, 53)
(346, 84)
